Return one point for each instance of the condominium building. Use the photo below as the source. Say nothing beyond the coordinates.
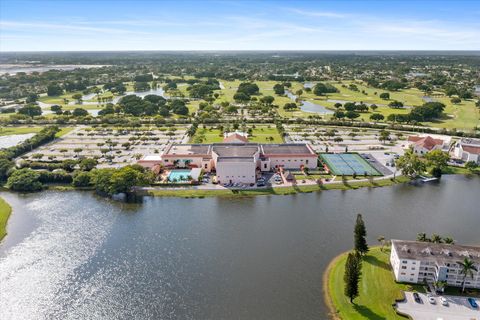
(417, 262)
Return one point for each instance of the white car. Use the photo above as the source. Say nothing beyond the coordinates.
(431, 299)
(444, 301)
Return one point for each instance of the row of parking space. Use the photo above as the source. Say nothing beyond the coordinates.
(109, 148)
(420, 306)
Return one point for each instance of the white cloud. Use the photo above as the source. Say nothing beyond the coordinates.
(325, 14)
(433, 31)
(12, 25)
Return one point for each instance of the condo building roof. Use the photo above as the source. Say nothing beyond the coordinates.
(239, 150)
(287, 149)
(235, 149)
(438, 252)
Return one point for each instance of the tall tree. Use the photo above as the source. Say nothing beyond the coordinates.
(467, 267)
(410, 164)
(351, 277)
(439, 160)
(360, 232)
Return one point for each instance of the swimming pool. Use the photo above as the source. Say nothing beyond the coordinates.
(179, 175)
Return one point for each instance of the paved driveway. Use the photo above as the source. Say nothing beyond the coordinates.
(457, 309)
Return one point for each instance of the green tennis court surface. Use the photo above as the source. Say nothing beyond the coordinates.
(348, 164)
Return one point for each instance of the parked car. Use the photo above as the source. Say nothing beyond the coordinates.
(260, 184)
(444, 301)
(473, 303)
(417, 298)
(431, 299)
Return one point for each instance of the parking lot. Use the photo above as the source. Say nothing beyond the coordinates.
(457, 309)
(112, 147)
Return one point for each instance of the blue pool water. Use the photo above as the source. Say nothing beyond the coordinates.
(179, 175)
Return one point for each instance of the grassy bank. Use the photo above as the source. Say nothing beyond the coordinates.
(378, 289)
(8, 131)
(5, 211)
(200, 193)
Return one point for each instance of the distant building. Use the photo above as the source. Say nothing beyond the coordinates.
(417, 262)
(235, 162)
(467, 150)
(423, 145)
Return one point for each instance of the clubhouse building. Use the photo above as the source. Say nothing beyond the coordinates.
(417, 262)
(236, 160)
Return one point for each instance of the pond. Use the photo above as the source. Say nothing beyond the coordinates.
(308, 106)
(158, 91)
(72, 255)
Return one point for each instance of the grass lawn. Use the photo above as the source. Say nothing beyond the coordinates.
(260, 134)
(460, 170)
(464, 116)
(201, 193)
(378, 290)
(59, 99)
(5, 211)
(8, 131)
(64, 130)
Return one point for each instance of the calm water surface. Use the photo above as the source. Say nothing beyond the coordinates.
(308, 106)
(72, 255)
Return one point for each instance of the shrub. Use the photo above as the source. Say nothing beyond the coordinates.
(24, 180)
(82, 179)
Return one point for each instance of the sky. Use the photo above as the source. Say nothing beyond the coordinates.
(76, 25)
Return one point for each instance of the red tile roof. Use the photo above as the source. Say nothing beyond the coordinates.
(425, 142)
(473, 150)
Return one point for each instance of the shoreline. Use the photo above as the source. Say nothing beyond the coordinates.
(5, 212)
(332, 311)
(286, 190)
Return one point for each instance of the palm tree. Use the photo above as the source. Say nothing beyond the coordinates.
(436, 238)
(381, 239)
(440, 286)
(449, 240)
(422, 236)
(468, 267)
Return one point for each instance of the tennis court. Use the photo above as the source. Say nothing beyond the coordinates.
(348, 164)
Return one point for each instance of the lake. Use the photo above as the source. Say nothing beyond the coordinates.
(308, 106)
(73, 255)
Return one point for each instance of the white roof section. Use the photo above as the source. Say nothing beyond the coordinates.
(152, 157)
